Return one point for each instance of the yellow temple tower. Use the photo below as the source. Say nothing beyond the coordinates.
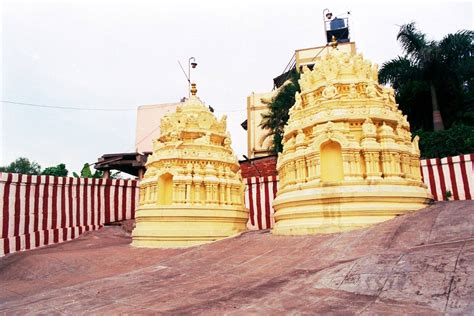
(192, 192)
(348, 159)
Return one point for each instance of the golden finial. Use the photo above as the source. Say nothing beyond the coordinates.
(333, 42)
(193, 89)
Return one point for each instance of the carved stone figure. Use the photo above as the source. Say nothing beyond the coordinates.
(329, 92)
(353, 94)
(371, 91)
(204, 139)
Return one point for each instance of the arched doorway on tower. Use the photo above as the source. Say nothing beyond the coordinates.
(165, 189)
(331, 162)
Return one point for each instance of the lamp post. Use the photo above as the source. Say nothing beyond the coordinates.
(191, 64)
(327, 15)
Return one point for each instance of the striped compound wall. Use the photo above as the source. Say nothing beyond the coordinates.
(43, 210)
(40, 210)
(259, 195)
(453, 174)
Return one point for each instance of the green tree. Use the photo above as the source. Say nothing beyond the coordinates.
(22, 165)
(457, 140)
(435, 76)
(277, 116)
(58, 171)
(86, 172)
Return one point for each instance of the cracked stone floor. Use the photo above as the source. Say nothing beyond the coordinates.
(420, 263)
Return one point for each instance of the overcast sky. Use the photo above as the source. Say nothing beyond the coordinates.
(122, 54)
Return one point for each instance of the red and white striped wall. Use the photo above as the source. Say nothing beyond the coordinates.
(259, 195)
(42, 210)
(453, 174)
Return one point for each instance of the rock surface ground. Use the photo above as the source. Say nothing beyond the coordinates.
(419, 263)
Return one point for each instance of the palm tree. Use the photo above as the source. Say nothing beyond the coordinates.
(433, 66)
(277, 116)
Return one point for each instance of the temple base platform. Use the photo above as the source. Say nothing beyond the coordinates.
(177, 226)
(324, 210)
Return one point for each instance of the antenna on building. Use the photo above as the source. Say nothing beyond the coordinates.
(336, 26)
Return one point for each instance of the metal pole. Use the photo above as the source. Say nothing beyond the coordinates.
(189, 74)
(324, 22)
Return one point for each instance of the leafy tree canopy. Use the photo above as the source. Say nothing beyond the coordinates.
(86, 172)
(57, 171)
(22, 165)
(459, 139)
(433, 77)
(277, 116)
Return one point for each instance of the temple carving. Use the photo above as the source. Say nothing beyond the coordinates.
(348, 157)
(192, 192)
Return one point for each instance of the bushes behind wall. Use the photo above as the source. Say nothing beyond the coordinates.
(459, 139)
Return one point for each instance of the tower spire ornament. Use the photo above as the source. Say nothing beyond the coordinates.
(193, 89)
(333, 42)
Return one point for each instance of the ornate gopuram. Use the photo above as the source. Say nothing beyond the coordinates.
(192, 192)
(348, 157)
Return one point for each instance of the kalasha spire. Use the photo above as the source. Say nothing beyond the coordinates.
(193, 89)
